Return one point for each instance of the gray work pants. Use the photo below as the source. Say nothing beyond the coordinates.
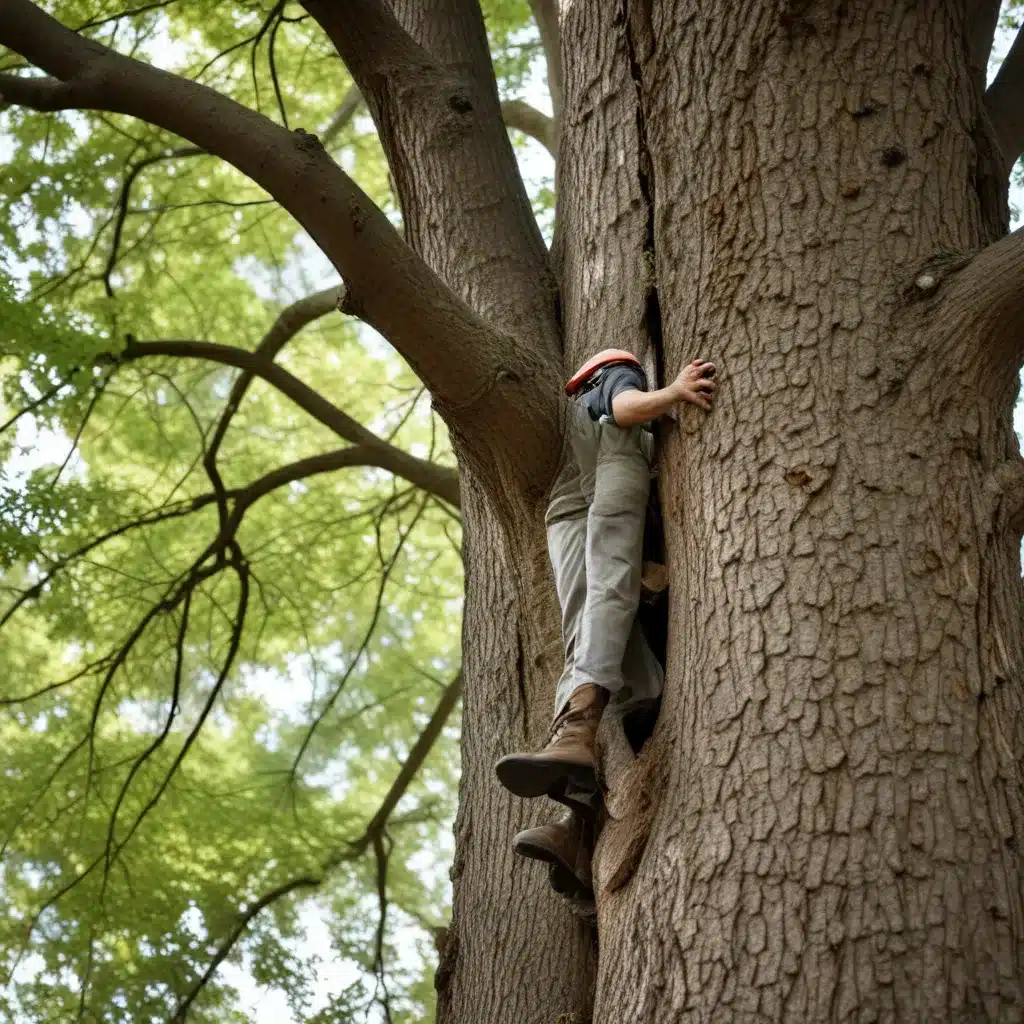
(595, 529)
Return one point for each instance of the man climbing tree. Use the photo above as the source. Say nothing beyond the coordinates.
(595, 531)
(828, 823)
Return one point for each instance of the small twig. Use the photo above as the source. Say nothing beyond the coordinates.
(422, 747)
(273, 66)
(131, 13)
(388, 568)
(382, 853)
(256, 40)
(93, 400)
(45, 397)
(180, 1014)
(347, 109)
(122, 204)
(155, 744)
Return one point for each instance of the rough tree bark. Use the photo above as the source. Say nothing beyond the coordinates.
(837, 769)
(800, 192)
(826, 825)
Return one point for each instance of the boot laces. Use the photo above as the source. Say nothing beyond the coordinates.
(567, 718)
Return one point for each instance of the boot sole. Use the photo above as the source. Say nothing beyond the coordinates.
(527, 777)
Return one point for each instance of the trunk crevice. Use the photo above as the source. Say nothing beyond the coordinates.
(645, 176)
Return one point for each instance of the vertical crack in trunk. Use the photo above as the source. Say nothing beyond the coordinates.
(524, 697)
(652, 313)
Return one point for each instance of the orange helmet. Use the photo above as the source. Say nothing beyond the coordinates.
(609, 357)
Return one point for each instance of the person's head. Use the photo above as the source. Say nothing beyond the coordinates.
(605, 358)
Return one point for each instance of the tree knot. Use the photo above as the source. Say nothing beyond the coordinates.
(308, 141)
(933, 271)
(460, 103)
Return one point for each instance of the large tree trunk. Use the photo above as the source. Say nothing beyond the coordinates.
(833, 793)
(513, 952)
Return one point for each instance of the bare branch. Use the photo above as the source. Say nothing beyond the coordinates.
(123, 198)
(545, 14)
(155, 744)
(382, 852)
(433, 478)
(412, 765)
(241, 569)
(279, 96)
(449, 346)
(328, 462)
(180, 590)
(1004, 101)
(374, 836)
(271, 19)
(83, 423)
(347, 110)
(518, 114)
(387, 567)
(131, 13)
(306, 882)
(34, 404)
(157, 516)
(288, 323)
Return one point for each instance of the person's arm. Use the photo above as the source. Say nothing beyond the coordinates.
(693, 385)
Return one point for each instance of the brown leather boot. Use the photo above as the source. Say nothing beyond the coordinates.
(565, 845)
(568, 754)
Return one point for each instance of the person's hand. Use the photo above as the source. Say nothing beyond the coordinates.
(694, 384)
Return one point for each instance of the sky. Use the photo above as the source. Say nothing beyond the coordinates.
(270, 1007)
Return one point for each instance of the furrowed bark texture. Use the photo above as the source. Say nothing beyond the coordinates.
(512, 953)
(837, 783)
(606, 262)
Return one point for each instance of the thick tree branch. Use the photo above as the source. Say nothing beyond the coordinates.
(433, 97)
(447, 481)
(518, 114)
(438, 480)
(421, 80)
(453, 351)
(983, 298)
(545, 14)
(1004, 102)
(982, 20)
(44, 94)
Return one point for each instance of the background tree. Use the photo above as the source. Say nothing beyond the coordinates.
(826, 822)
